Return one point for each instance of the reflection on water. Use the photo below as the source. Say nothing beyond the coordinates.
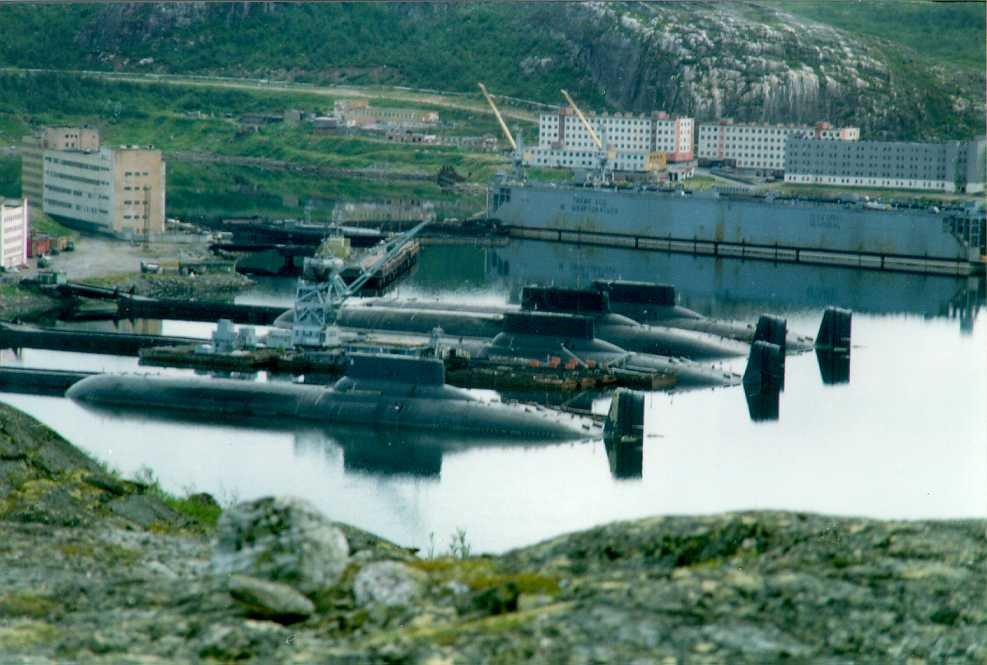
(727, 288)
(903, 438)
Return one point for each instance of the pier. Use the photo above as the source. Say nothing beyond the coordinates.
(14, 336)
(138, 307)
(774, 253)
(30, 381)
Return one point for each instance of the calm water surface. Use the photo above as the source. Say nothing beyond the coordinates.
(907, 437)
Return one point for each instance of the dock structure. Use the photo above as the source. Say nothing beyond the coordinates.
(31, 381)
(138, 307)
(14, 336)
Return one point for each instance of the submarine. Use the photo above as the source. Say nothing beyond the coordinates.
(384, 391)
(539, 335)
(653, 303)
(473, 321)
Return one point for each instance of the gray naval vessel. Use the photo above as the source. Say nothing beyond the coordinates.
(636, 316)
(383, 391)
(947, 239)
(537, 335)
(422, 317)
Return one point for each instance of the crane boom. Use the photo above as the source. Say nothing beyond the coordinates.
(500, 119)
(390, 250)
(592, 132)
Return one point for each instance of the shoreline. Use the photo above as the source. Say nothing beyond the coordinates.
(132, 572)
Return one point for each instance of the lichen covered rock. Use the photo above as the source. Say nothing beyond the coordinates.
(283, 540)
(263, 599)
(388, 583)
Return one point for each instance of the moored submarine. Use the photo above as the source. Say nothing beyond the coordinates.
(379, 390)
(473, 321)
(539, 335)
(651, 303)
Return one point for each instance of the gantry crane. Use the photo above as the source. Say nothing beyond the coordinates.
(321, 291)
(607, 153)
(517, 147)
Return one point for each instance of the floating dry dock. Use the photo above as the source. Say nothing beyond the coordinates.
(944, 240)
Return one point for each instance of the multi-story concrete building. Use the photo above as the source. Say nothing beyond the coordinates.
(14, 223)
(635, 139)
(759, 146)
(119, 191)
(953, 166)
(76, 139)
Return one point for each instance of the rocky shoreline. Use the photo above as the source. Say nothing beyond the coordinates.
(95, 568)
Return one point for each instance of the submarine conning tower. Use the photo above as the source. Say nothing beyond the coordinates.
(396, 374)
(548, 324)
(658, 300)
(556, 299)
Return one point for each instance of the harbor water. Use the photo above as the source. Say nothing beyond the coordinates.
(906, 437)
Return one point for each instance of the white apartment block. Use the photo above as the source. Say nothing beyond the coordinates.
(13, 232)
(564, 142)
(761, 147)
(119, 191)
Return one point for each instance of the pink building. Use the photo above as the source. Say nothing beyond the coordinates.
(13, 232)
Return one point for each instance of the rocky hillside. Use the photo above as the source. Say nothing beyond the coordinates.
(754, 60)
(95, 569)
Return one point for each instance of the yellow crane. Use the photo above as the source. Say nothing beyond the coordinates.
(517, 147)
(500, 118)
(607, 154)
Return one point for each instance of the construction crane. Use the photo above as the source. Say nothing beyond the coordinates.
(321, 291)
(607, 153)
(517, 147)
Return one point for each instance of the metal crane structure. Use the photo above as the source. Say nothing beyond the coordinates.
(322, 291)
(517, 146)
(607, 153)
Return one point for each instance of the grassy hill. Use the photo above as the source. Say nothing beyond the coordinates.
(898, 68)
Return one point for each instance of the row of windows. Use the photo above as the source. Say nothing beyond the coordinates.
(872, 182)
(76, 178)
(134, 173)
(78, 165)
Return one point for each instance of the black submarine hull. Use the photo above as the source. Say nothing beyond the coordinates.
(443, 410)
(423, 318)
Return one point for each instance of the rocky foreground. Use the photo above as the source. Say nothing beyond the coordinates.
(98, 569)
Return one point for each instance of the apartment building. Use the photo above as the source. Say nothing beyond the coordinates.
(636, 140)
(760, 146)
(119, 191)
(953, 166)
(33, 146)
(14, 224)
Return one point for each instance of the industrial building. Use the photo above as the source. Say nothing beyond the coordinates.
(14, 221)
(33, 146)
(358, 114)
(635, 139)
(119, 191)
(759, 146)
(953, 166)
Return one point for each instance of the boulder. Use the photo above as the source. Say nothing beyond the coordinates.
(269, 600)
(282, 540)
(388, 583)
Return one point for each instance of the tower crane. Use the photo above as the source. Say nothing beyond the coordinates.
(517, 147)
(607, 153)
